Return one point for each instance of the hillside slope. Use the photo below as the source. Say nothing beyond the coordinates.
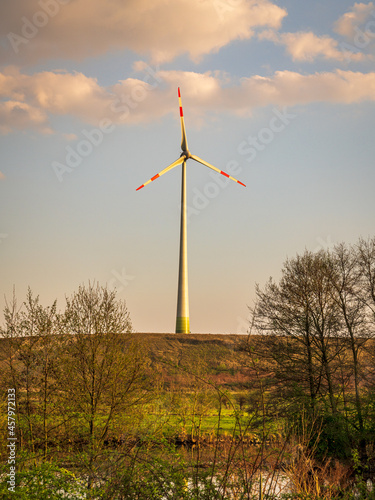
(180, 358)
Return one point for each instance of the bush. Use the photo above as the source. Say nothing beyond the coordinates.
(44, 481)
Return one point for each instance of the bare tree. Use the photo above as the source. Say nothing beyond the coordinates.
(102, 367)
(347, 279)
(29, 363)
(365, 255)
(300, 320)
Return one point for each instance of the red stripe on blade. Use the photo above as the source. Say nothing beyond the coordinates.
(155, 177)
(140, 187)
(179, 94)
(223, 173)
(181, 112)
(242, 184)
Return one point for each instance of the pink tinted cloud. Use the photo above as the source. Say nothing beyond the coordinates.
(349, 22)
(306, 46)
(159, 29)
(29, 101)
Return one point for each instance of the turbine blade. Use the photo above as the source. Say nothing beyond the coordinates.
(199, 160)
(172, 165)
(184, 145)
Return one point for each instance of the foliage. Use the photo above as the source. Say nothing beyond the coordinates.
(319, 323)
(106, 413)
(44, 481)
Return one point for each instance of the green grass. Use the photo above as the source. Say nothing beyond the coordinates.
(207, 424)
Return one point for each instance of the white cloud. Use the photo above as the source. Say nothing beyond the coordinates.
(291, 88)
(28, 101)
(357, 25)
(160, 29)
(348, 24)
(306, 46)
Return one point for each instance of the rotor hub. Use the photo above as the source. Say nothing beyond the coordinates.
(186, 153)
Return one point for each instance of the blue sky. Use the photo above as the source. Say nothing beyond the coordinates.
(280, 93)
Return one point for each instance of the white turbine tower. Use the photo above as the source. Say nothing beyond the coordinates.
(182, 321)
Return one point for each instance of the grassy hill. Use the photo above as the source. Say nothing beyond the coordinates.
(180, 358)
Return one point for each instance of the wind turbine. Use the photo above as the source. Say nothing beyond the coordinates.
(182, 321)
